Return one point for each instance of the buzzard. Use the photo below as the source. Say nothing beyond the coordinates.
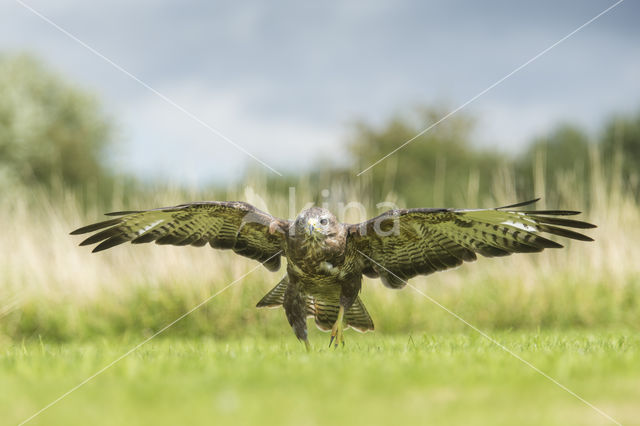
(326, 259)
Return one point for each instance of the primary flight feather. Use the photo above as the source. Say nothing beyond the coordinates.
(326, 259)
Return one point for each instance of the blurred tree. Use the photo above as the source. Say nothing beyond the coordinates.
(565, 150)
(444, 168)
(50, 131)
(621, 144)
(439, 168)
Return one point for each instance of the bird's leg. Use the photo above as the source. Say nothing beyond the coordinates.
(337, 332)
(307, 345)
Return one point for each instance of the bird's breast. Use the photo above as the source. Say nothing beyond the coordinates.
(312, 259)
(314, 267)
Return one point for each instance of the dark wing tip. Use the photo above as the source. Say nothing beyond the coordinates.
(95, 226)
(520, 204)
(122, 213)
(585, 225)
(570, 223)
(547, 243)
(111, 242)
(82, 230)
(551, 212)
(581, 237)
(562, 232)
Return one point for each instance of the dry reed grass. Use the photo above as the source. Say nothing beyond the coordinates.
(51, 287)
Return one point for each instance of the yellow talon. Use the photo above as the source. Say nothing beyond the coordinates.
(337, 332)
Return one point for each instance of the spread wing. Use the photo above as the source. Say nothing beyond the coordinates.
(226, 225)
(401, 244)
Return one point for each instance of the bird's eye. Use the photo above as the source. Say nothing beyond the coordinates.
(323, 221)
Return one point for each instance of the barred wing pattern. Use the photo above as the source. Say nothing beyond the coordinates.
(225, 225)
(401, 244)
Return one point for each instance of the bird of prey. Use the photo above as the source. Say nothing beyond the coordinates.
(326, 259)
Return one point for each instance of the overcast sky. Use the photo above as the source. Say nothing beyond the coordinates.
(285, 79)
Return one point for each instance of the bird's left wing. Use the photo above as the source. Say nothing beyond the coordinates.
(401, 244)
(222, 224)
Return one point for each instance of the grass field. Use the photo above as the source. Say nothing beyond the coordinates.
(65, 314)
(457, 378)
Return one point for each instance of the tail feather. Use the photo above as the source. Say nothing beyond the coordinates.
(275, 297)
(358, 317)
(326, 314)
(324, 310)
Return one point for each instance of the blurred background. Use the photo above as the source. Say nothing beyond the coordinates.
(122, 106)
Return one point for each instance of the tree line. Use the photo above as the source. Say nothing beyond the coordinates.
(53, 133)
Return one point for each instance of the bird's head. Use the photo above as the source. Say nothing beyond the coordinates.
(316, 223)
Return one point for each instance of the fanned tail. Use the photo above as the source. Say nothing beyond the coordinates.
(275, 297)
(324, 310)
(358, 317)
(326, 313)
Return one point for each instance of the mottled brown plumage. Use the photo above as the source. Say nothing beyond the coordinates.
(326, 259)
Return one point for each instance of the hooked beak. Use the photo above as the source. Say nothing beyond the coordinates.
(312, 224)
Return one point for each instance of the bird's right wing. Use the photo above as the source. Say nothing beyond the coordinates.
(401, 244)
(222, 224)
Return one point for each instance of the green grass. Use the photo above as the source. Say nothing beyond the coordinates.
(455, 378)
(65, 314)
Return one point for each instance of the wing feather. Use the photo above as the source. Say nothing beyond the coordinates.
(401, 244)
(228, 225)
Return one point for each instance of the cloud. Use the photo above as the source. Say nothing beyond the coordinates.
(169, 144)
(282, 78)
